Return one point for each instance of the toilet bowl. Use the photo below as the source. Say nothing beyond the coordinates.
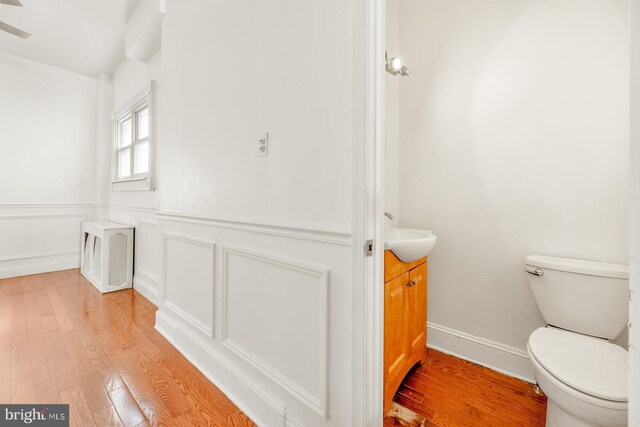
(584, 376)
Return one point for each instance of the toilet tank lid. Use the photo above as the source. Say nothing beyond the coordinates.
(592, 268)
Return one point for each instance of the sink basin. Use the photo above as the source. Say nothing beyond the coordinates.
(409, 244)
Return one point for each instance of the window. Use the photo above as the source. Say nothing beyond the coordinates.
(132, 135)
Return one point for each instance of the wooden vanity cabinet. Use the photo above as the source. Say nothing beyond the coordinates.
(405, 321)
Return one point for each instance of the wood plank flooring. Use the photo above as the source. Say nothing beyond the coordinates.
(448, 391)
(61, 341)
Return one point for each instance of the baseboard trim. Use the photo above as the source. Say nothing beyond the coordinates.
(35, 255)
(146, 288)
(263, 409)
(499, 357)
(27, 266)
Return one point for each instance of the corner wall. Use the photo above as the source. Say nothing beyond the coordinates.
(47, 123)
(137, 208)
(514, 141)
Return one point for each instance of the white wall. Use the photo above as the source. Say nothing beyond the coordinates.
(274, 77)
(634, 314)
(514, 141)
(48, 127)
(47, 118)
(257, 279)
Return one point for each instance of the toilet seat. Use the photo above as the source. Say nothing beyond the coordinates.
(588, 365)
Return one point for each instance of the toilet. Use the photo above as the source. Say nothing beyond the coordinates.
(585, 305)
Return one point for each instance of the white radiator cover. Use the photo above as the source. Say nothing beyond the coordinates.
(107, 255)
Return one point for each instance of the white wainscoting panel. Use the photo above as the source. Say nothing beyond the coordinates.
(148, 255)
(148, 260)
(188, 291)
(37, 238)
(282, 298)
(25, 265)
(275, 317)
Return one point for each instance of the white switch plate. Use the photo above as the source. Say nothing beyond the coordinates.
(263, 145)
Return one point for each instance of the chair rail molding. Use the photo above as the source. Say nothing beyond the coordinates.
(142, 209)
(304, 232)
(45, 205)
(42, 216)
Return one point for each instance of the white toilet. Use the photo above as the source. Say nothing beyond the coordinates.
(585, 304)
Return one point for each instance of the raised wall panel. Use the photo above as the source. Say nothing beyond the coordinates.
(40, 238)
(148, 255)
(27, 234)
(275, 318)
(189, 280)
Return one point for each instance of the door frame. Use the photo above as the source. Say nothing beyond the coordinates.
(634, 214)
(368, 209)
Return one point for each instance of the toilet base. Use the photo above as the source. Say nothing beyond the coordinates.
(558, 417)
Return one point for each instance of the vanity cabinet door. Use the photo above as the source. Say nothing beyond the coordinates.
(417, 314)
(395, 335)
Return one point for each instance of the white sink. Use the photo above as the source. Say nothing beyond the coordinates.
(409, 244)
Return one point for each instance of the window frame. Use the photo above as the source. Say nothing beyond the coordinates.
(143, 100)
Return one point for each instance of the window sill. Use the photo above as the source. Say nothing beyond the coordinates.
(139, 184)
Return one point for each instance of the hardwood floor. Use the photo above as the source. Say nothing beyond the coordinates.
(448, 391)
(61, 341)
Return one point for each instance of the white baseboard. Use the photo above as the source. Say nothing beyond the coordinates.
(250, 397)
(26, 265)
(147, 288)
(499, 357)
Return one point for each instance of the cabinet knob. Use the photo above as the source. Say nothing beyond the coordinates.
(411, 283)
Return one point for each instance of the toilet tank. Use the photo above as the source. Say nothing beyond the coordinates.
(582, 296)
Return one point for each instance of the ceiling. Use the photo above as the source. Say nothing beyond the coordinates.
(83, 36)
